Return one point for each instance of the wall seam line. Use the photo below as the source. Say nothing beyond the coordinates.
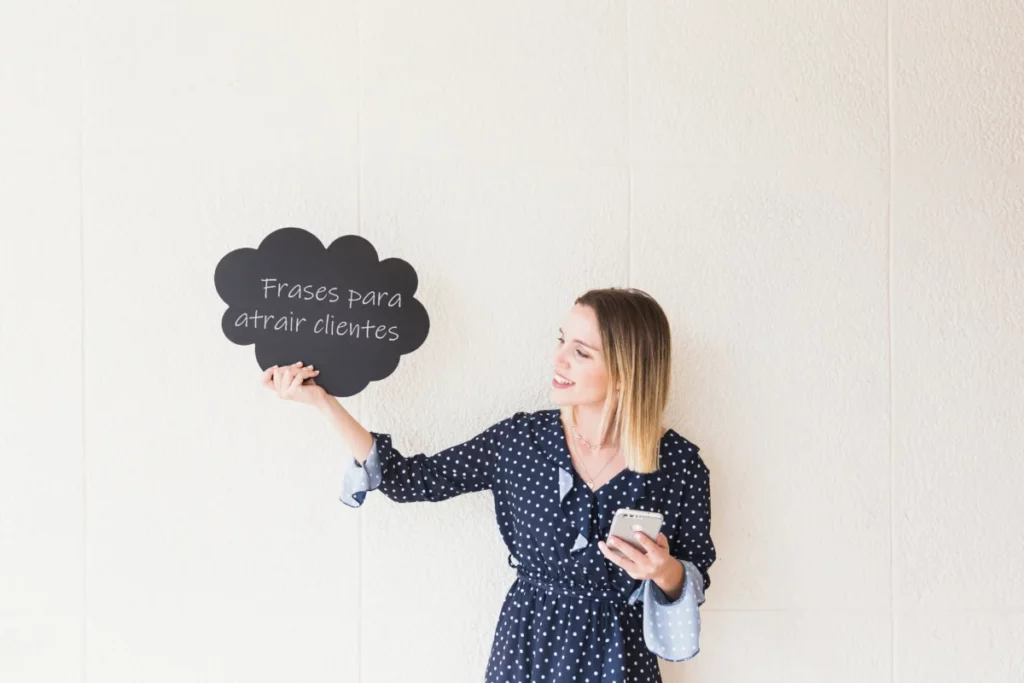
(359, 400)
(629, 159)
(81, 328)
(892, 463)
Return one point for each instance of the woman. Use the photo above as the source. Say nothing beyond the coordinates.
(578, 610)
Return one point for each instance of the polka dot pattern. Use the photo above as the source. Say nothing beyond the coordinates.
(571, 614)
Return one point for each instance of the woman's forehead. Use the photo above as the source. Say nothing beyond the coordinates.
(582, 330)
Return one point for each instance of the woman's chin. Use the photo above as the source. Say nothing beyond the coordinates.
(559, 397)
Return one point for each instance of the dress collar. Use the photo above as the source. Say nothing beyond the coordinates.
(668, 457)
(573, 545)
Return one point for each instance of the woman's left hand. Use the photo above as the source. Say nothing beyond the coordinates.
(656, 563)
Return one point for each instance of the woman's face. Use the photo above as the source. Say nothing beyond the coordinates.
(579, 358)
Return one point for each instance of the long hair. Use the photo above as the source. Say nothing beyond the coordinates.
(638, 357)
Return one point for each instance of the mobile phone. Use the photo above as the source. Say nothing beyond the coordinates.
(626, 522)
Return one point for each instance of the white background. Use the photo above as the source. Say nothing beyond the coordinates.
(826, 197)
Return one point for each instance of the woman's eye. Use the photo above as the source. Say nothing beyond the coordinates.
(578, 352)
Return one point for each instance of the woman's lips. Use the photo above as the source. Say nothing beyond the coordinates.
(559, 385)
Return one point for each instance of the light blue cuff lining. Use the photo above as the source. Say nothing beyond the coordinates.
(359, 479)
(672, 628)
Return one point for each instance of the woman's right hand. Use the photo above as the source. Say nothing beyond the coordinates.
(296, 383)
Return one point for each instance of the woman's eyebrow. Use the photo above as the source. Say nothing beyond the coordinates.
(581, 341)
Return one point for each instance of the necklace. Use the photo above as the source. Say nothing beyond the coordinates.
(572, 424)
(590, 478)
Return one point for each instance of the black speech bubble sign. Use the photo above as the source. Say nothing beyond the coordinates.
(338, 308)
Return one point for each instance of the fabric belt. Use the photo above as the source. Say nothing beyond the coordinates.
(558, 589)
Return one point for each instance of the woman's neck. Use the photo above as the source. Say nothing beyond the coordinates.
(588, 422)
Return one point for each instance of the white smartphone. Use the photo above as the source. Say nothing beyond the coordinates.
(626, 522)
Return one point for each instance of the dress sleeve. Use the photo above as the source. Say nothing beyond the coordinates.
(691, 539)
(672, 627)
(463, 468)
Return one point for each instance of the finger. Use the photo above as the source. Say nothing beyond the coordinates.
(284, 378)
(663, 541)
(655, 554)
(631, 553)
(307, 374)
(621, 561)
(268, 376)
(296, 381)
(645, 541)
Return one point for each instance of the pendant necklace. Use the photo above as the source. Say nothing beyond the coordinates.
(591, 479)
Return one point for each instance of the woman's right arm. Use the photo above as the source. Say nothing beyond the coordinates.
(463, 468)
(374, 462)
(297, 382)
(355, 439)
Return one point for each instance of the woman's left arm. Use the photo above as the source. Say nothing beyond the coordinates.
(691, 539)
(674, 573)
(672, 626)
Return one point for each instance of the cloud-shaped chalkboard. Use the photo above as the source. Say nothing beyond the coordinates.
(338, 308)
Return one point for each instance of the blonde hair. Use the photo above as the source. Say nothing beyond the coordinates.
(637, 346)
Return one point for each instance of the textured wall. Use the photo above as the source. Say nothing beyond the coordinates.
(825, 196)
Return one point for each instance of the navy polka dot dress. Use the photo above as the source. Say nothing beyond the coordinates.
(571, 614)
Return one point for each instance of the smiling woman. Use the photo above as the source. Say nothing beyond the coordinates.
(621, 341)
(577, 610)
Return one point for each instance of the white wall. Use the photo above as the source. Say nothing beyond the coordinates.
(825, 196)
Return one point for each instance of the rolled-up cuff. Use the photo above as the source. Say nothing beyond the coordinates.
(358, 479)
(672, 627)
